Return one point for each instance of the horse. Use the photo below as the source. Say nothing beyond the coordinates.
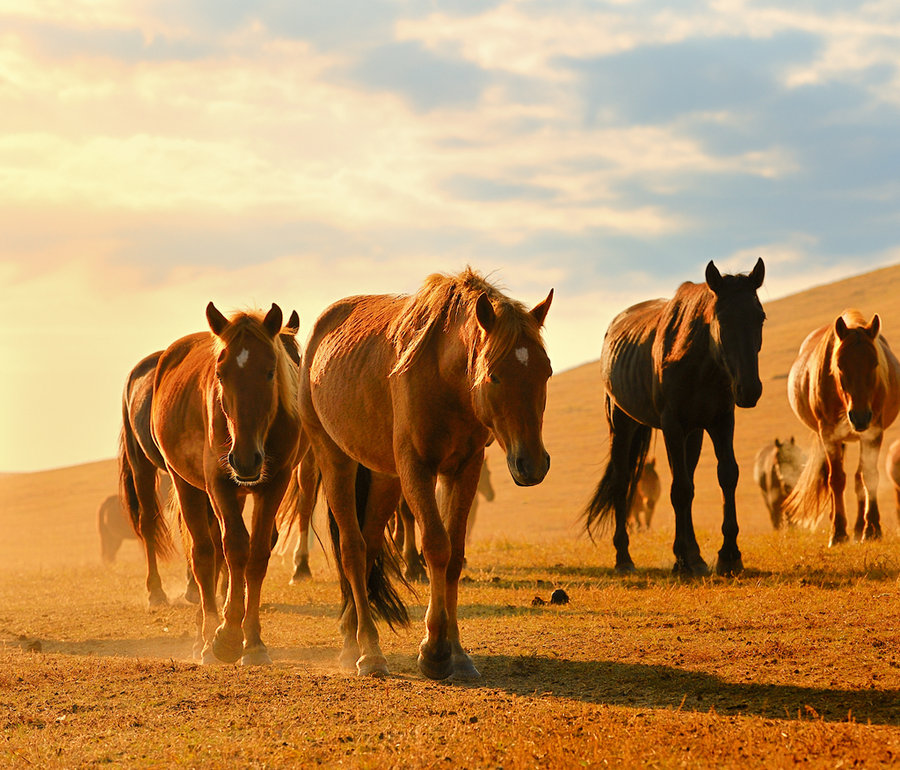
(680, 365)
(845, 385)
(140, 462)
(892, 467)
(115, 526)
(402, 391)
(646, 494)
(777, 470)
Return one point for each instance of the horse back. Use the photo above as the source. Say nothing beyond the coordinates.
(890, 377)
(811, 390)
(136, 406)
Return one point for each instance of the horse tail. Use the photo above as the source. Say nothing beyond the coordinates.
(806, 502)
(629, 446)
(127, 486)
(384, 599)
(288, 514)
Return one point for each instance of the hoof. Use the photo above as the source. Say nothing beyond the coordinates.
(463, 668)
(347, 658)
(258, 656)
(837, 539)
(372, 665)
(415, 571)
(435, 667)
(208, 658)
(158, 599)
(227, 646)
(729, 567)
(698, 568)
(192, 594)
(874, 534)
(625, 567)
(301, 574)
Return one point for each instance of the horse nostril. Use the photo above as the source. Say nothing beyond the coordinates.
(257, 459)
(231, 459)
(547, 460)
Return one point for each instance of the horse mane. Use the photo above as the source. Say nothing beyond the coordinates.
(445, 300)
(287, 374)
(682, 316)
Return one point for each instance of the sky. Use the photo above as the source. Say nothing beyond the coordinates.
(155, 156)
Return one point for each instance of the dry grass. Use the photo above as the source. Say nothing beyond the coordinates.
(796, 661)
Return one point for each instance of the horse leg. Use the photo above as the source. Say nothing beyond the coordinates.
(729, 562)
(435, 653)
(683, 450)
(837, 479)
(306, 503)
(869, 451)
(193, 503)
(623, 431)
(459, 494)
(145, 476)
(406, 523)
(264, 509)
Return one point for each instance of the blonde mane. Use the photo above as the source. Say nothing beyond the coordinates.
(287, 375)
(445, 301)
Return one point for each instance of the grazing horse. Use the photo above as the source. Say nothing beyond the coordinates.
(845, 385)
(140, 462)
(114, 524)
(680, 365)
(646, 495)
(412, 388)
(892, 466)
(777, 470)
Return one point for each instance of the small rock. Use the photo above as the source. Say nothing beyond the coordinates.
(559, 597)
(537, 602)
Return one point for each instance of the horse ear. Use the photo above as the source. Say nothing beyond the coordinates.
(840, 327)
(540, 311)
(758, 273)
(484, 312)
(713, 277)
(792, 439)
(293, 324)
(217, 322)
(874, 326)
(272, 321)
(777, 443)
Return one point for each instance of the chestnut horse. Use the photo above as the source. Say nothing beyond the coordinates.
(777, 470)
(225, 420)
(412, 387)
(680, 365)
(646, 495)
(892, 467)
(845, 385)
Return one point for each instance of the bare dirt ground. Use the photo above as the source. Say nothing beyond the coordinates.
(797, 660)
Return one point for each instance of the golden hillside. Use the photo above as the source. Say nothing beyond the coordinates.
(50, 517)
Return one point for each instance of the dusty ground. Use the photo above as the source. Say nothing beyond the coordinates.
(795, 661)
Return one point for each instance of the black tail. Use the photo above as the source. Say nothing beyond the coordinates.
(629, 443)
(384, 600)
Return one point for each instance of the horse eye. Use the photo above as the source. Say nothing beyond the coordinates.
(493, 378)
(270, 375)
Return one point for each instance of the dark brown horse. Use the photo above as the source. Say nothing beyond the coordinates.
(225, 420)
(845, 385)
(777, 470)
(680, 365)
(412, 387)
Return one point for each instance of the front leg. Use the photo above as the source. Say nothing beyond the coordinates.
(683, 449)
(722, 435)
(459, 493)
(837, 480)
(869, 450)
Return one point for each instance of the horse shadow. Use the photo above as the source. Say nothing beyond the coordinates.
(637, 685)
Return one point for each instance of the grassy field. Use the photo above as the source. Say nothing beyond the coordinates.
(796, 661)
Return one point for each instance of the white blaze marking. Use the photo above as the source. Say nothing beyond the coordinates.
(242, 358)
(522, 355)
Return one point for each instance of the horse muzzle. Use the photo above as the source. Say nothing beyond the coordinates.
(747, 396)
(860, 419)
(246, 470)
(525, 472)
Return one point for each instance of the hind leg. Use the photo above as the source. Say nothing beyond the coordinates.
(406, 524)
(623, 433)
(306, 476)
(145, 477)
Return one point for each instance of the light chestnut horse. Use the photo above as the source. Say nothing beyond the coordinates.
(777, 470)
(224, 417)
(845, 385)
(892, 467)
(412, 387)
(680, 365)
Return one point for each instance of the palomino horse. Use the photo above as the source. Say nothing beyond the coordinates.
(892, 466)
(845, 385)
(646, 494)
(140, 461)
(680, 365)
(777, 470)
(225, 420)
(412, 387)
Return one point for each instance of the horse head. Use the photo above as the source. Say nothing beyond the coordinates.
(855, 366)
(788, 464)
(737, 329)
(510, 394)
(246, 386)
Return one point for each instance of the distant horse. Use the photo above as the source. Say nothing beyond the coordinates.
(404, 531)
(412, 387)
(115, 526)
(680, 365)
(892, 466)
(224, 417)
(777, 470)
(646, 495)
(297, 509)
(845, 385)
(140, 461)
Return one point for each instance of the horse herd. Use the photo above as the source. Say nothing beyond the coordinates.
(395, 398)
